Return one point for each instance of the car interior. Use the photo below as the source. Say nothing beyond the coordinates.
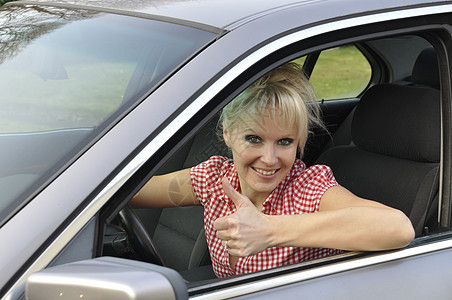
(386, 148)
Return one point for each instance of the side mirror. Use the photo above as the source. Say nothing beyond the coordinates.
(106, 278)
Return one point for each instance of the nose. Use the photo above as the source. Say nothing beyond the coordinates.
(269, 155)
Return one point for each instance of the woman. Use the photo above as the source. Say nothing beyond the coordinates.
(264, 208)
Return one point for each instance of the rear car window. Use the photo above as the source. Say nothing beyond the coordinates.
(340, 73)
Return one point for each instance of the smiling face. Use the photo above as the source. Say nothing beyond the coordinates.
(265, 123)
(263, 153)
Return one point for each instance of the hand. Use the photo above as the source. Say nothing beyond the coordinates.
(247, 231)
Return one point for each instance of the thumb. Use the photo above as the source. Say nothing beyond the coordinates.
(239, 200)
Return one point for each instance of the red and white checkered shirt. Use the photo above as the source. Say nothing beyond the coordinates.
(298, 193)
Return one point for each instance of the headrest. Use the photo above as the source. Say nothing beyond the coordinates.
(425, 70)
(399, 121)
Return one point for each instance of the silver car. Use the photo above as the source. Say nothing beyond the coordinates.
(99, 96)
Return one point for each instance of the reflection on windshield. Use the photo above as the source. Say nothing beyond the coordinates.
(21, 25)
(65, 75)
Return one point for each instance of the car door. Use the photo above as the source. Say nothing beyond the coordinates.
(391, 271)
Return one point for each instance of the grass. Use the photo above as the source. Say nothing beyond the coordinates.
(340, 73)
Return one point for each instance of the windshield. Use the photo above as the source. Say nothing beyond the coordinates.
(65, 76)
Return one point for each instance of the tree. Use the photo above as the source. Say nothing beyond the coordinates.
(4, 1)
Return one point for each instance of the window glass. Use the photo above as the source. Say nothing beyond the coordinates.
(65, 75)
(339, 73)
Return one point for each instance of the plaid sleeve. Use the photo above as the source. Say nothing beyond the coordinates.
(204, 176)
(311, 186)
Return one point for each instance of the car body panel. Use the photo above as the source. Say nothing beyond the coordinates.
(397, 279)
(232, 14)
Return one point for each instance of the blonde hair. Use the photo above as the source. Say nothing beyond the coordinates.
(284, 90)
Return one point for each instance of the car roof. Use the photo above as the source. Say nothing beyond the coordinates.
(229, 14)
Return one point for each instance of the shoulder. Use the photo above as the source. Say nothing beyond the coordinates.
(213, 166)
(309, 184)
(318, 172)
(208, 173)
(301, 172)
(307, 179)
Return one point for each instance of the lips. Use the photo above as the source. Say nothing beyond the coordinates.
(264, 172)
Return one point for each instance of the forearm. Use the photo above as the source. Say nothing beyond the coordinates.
(352, 228)
(168, 190)
(151, 195)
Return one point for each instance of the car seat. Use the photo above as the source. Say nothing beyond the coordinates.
(395, 152)
(425, 72)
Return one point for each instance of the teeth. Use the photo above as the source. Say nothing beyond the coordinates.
(263, 172)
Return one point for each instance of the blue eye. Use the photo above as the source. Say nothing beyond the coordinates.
(252, 139)
(285, 142)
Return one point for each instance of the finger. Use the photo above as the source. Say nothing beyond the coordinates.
(229, 245)
(224, 236)
(222, 228)
(238, 199)
(221, 223)
(225, 244)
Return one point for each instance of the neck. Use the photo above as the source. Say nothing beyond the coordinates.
(257, 199)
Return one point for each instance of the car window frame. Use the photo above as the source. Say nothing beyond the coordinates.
(228, 284)
(223, 97)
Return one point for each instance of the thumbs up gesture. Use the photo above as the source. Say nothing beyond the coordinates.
(247, 231)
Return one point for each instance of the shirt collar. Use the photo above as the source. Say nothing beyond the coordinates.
(228, 170)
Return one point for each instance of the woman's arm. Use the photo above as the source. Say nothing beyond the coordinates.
(173, 189)
(347, 222)
(344, 222)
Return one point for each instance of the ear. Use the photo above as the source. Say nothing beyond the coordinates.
(300, 148)
(300, 152)
(226, 136)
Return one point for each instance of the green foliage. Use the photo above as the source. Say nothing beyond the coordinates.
(4, 1)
